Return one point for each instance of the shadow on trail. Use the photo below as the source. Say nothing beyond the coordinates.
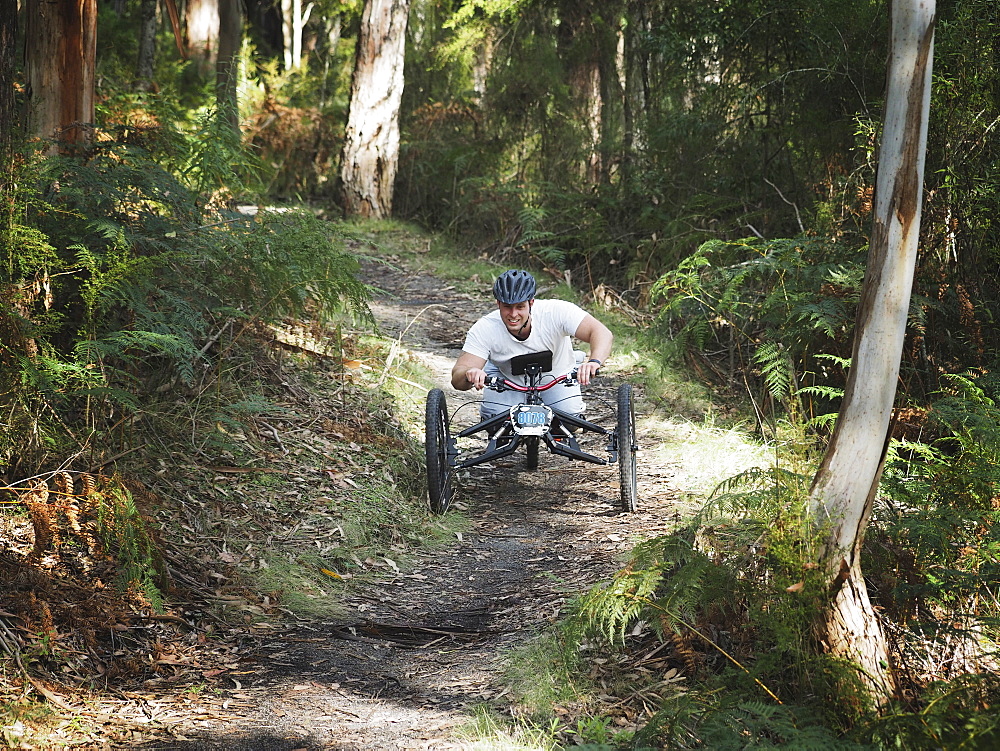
(422, 648)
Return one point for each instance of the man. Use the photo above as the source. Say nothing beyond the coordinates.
(522, 325)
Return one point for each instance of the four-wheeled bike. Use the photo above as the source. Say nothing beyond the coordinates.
(529, 424)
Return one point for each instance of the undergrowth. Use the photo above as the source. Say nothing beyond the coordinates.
(732, 596)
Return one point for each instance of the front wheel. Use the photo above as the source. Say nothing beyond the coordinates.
(627, 448)
(436, 441)
(531, 452)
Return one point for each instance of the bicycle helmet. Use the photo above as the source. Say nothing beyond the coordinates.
(514, 286)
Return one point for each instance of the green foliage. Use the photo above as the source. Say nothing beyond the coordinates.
(715, 721)
(128, 280)
(125, 535)
(744, 572)
(936, 528)
(286, 263)
(952, 715)
(221, 160)
(784, 306)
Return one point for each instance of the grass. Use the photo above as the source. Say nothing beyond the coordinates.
(487, 730)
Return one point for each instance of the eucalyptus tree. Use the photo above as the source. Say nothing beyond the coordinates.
(60, 60)
(227, 71)
(146, 59)
(9, 124)
(371, 141)
(845, 485)
(201, 28)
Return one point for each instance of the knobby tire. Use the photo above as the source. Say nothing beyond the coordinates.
(436, 441)
(531, 452)
(626, 449)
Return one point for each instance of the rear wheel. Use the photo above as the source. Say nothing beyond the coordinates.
(436, 444)
(627, 448)
(531, 451)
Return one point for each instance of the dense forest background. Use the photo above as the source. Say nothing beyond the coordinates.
(707, 166)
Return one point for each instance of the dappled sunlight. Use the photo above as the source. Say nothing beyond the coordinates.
(700, 456)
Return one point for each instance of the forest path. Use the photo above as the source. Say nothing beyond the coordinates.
(425, 645)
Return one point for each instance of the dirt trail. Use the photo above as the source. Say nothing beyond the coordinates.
(424, 646)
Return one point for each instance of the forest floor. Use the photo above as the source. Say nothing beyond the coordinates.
(416, 652)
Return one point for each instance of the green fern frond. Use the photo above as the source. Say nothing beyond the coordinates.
(776, 367)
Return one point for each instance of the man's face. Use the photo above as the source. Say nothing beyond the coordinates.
(514, 316)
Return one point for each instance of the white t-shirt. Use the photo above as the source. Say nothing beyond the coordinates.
(553, 323)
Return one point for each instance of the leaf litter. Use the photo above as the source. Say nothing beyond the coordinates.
(284, 624)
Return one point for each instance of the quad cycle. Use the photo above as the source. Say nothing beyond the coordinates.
(529, 424)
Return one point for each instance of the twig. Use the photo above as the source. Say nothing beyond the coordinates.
(215, 337)
(711, 643)
(781, 195)
(398, 342)
(274, 433)
(116, 457)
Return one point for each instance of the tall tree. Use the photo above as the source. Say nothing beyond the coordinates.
(371, 142)
(8, 55)
(147, 45)
(60, 57)
(228, 60)
(844, 488)
(580, 47)
(293, 23)
(201, 21)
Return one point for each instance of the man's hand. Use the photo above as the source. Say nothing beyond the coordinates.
(587, 371)
(476, 377)
(468, 372)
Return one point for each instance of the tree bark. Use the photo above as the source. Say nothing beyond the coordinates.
(371, 146)
(60, 55)
(9, 124)
(201, 18)
(844, 488)
(580, 46)
(147, 46)
(227, 64)
(636, 86)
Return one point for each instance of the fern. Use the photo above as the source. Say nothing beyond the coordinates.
(124, 534)
(776, 367)
(780, 304)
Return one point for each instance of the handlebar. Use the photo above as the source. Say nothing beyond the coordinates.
(502, 384)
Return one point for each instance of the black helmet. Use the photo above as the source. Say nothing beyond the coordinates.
(514, 286)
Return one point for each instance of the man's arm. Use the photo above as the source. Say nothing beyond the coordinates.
(600, 339)
(468, 372)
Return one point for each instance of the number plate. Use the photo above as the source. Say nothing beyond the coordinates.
(530, 419)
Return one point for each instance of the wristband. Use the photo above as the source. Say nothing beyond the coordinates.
(594, 359)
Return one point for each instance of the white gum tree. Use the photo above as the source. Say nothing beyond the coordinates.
(371, 142)
(845, 485)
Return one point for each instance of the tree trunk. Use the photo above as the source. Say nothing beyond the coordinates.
(9, 124)
(636, 86)
(201, 19)
(10, 129)
(228, 63)
(293, 23)
(579, 46)
(371, 142)
(844, 488)
(147, 46)
(60, 54)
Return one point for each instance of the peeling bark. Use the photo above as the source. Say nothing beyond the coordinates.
(60, 56)
(845, 485)
(371, 147)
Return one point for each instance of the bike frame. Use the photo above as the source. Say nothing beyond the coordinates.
(501, 427)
